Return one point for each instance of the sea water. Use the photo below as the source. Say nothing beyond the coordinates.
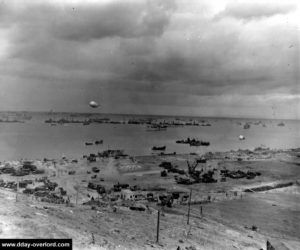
(36, 139)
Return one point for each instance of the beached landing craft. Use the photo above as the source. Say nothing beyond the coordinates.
(162, 148)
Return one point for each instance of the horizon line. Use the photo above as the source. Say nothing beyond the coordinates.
(160, 115)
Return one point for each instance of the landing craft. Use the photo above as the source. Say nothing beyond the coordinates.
(93, 104)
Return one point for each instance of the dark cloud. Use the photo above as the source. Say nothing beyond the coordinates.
(116, 19)
(256, 9)
(47, 33)
(147, 55)
(205, 68)
(84, 22)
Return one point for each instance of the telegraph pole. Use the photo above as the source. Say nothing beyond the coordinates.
(189, 208)
(76, 196)
(18, 185)
(157, 229)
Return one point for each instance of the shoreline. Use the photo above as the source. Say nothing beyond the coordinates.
(262, 153)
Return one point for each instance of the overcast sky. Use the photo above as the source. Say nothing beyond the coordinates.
(177, 57)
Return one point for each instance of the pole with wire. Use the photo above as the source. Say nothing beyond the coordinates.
(189, 208)
(157, 228)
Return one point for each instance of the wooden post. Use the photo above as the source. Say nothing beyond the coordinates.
(76, 187)
(18, 185)
(189, 208)
(57, 170)
(76, 196)
(157, 229)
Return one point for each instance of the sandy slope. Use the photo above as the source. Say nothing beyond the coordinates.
(116, 230)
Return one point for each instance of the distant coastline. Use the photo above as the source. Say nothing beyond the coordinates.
(141, 115)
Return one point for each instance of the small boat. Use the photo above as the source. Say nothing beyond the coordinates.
(98, 142)
(199, 143)
(205, 143)
(193, 142)
(155, 127)
(241, 137)
(49, 121)
(115, 122)
(247, 126)
(162, 148)
(187, 141)
(88, 144)
(86, 123)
